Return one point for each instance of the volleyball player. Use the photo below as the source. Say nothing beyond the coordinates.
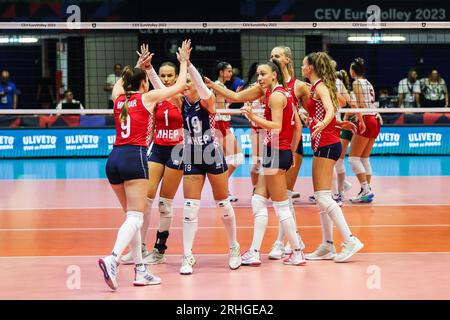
(281, 120)
(300, 93)
(322, 107)
(164, 161)
(127, 169)
(203, 156)
(362, 143)
(233, 154)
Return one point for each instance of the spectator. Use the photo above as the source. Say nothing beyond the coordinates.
(68, 98)
(8, 92)
(434, 90)
(409, 91)
(237, 82)
(45, 96)
(110, 81)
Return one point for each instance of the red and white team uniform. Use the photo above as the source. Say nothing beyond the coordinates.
(168, 124)
(373, 126)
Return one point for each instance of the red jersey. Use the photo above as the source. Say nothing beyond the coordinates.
(136, 128)
(168, 124)
(283, 139)
(330, 134)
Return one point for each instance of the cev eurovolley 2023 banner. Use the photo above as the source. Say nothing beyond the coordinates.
(37, 143)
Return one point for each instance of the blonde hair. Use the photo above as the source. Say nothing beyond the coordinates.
(325, 70)
(288, 53)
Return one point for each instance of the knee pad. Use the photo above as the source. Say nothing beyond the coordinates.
(137, 218)
(226, 208)
(282, 210)
(340, 168)
(190, 210)
(367, 166)
(165, 207)
(259, 205)
(356, 164)
(325, 201)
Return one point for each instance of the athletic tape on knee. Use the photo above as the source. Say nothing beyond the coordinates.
(259, 205)
(190, 210)
(325, 201)
(226, 209)
(282, 210)
(340, 168)
(356, 164)
(136, 217)
(367, 166)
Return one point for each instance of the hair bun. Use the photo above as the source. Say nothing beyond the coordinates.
(359, 61)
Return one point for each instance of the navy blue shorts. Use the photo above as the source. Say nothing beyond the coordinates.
(332, 151)
(277, 159)
(300, 147)
(169, 156)
(127, 163)
(198, 161)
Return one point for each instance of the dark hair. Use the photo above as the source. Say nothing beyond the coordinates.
(220, 66)
(274, 65)
(66, 92)
(251, 72)
(117, 64)
(358, 66)
(132, 78)
(169, 64)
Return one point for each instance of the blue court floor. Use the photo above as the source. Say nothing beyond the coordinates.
(94, 168)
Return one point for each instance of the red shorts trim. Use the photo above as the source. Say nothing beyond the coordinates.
(223, 126)
(373, 127)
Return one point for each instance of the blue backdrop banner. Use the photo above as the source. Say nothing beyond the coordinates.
(17, 143)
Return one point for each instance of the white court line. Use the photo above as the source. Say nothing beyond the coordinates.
(238, 227)
(225, 254)
(247, 206)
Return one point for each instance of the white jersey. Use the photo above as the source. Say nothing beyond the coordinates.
(368, 94)
(220, 117)
(339, 86)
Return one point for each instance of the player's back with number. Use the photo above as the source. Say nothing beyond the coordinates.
(135, 130)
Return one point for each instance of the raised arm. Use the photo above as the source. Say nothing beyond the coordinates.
(157, 95)
(207, 97)
(249, 94)
(145, 63)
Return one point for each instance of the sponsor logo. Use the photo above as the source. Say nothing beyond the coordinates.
(424, 139)
(6, 142)
(39, 142)
(81, 142)
(387, 139)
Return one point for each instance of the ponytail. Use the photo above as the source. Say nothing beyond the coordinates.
(325, 70)
(274, 64)
(131, 78)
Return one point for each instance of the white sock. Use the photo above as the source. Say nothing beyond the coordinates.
(131, 225)
(165, 214)
(327, 228)
(229, 220)
(147, 218)
(365, 186)
(190, 224)
(328, 205)
(287, 222)
(259, 207)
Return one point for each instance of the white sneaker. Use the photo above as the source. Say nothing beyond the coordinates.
(323, 252)
(363, 197)
(187, 264)
(145, 278)
(296, 258)
(251, 258)
(350, 247)
(109, 267)
(155, 257)
(234, 257)
(232, 198)
(294, 194)
(277, 251)
(128, 258)
(347, 186)
(312, 199)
